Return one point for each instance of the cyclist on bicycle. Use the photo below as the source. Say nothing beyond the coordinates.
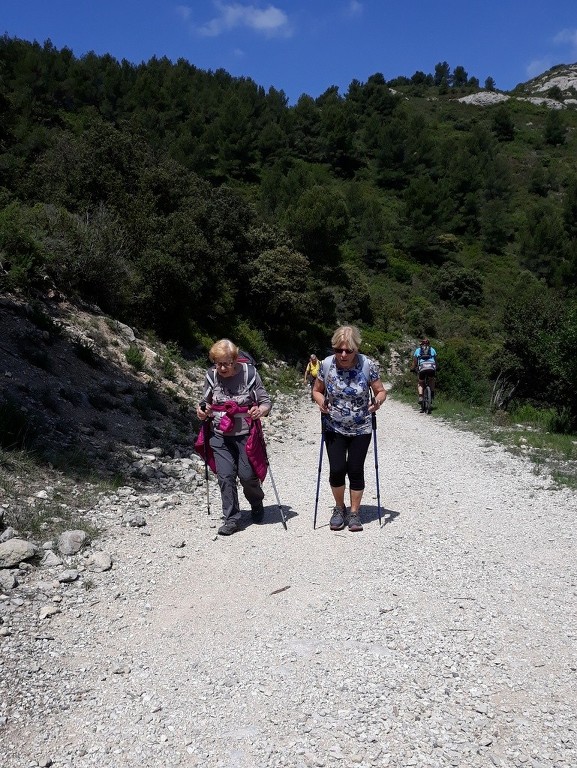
(425, 363)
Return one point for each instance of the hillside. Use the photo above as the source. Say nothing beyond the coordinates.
(77, 418)
(194, 205)
(73, 392)
(556, 89)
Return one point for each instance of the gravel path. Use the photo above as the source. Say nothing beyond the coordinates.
(448, 637)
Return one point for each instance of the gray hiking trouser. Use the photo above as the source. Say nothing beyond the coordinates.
(232, 462)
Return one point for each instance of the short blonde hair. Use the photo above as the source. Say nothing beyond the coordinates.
(347, 334)
(223, 348)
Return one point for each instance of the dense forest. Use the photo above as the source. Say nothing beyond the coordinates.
(196, 204)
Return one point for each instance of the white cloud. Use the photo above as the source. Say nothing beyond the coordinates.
(269, 21)
(566, 36)
(538, 66)
(354, 8)
(184, 12)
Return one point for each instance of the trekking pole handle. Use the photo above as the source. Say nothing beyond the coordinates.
(203, 406)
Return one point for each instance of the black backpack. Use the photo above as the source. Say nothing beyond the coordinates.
(245, 357)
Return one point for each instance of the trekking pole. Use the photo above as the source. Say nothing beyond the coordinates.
(265, 453)
(279, 505)
(320, 467)
(374, 423)
(206, 438)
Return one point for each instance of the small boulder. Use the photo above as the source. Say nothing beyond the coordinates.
(50, 560)
(14, 551)
(99, 562)
(8, 580)
(71, 542)
(8, 533)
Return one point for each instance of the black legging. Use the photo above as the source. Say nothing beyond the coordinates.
(347, 454)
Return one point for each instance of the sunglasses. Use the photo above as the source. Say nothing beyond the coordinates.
(343, 351)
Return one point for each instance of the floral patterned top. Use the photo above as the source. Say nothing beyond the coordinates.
(348, 393)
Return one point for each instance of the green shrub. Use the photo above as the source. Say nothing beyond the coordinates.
(135, 358)
(401, 270)
(375, 341)
(149, 400)
(168, 361)
(525, 413)
(461, 373)
(168, 367)
(38, 315)
(559, 421)
(286, 379)
(85, 352)
(21, 257)
(460, 285)
(251, 340)
(420, 317)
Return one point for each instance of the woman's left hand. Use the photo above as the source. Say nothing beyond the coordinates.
(376, 402)
(256, 412)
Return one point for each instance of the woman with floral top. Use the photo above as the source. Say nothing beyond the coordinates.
(348, 390)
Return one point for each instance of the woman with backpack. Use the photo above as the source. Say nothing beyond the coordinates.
(348, 390)
(424, 363)
(233, 397)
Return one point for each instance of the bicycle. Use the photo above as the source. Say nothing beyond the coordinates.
(427, 405)
(427, 373)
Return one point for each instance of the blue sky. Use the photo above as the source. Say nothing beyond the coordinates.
(306, 46)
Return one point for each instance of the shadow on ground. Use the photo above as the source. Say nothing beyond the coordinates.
(371, 512)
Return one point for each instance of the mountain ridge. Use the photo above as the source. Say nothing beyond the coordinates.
(560, 79)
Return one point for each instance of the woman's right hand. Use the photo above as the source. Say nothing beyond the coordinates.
(203, 411)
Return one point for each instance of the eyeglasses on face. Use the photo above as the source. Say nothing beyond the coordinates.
(224, 363)
(342, 351)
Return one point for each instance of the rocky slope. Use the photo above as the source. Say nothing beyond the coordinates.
(562, 79)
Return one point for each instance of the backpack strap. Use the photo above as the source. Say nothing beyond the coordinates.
(366, 366)
(249, 376)
(211, 377)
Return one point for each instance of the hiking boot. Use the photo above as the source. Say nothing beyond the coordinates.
(229, 527)
(354, 522)
(422, 406)
(337, 522)
(257, 514)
